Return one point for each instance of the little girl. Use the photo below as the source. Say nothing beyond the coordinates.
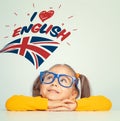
(57, 89)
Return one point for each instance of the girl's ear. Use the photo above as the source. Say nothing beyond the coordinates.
(74, 94)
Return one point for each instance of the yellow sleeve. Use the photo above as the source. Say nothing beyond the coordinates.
(24, 103)
(94, 103)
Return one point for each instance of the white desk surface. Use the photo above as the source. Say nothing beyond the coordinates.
(59, 116)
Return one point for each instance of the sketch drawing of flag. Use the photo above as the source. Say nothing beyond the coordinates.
(35, 49)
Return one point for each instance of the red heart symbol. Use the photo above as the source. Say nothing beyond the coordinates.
(44, 15)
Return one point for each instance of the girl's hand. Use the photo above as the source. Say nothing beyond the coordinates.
(71, 104)
(64, 105)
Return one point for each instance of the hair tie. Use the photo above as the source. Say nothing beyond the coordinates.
(77, 75)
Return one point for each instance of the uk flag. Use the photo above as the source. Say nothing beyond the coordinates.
(35, 49)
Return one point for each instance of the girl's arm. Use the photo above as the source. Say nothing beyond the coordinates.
(94, 103)
(28, 103)
(24, 103)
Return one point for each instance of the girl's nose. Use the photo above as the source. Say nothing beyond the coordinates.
(55, 83)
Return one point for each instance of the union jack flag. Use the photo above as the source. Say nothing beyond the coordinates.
(35, 49)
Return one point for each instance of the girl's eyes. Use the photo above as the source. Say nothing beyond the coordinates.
(64, 80)
(48, 77)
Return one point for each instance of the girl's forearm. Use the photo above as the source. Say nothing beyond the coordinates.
(24, 103)
(94, 103)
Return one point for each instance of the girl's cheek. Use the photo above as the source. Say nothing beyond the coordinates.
(42, 89)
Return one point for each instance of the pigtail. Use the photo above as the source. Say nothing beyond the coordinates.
(36, 87)
(85, 87)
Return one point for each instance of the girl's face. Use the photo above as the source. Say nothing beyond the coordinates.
(54, 91)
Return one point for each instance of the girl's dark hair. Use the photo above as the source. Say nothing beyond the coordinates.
(85, 86)
(36, 87)
(84, 83)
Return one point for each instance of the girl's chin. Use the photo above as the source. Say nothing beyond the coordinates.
(53, 98)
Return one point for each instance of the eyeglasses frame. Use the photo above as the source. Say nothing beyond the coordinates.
(74, 80)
